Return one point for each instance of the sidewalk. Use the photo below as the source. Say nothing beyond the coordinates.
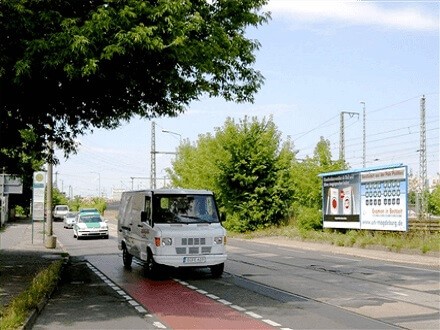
(82, 299)
(22, 255)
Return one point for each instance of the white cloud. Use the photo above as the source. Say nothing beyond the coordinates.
(398, 15)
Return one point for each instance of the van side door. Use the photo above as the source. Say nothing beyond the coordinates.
(141, 223)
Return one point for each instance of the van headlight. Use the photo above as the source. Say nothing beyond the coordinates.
(167, 241)
(219, 240)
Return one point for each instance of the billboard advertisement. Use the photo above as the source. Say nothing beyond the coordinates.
(374, 199)
(341, 200)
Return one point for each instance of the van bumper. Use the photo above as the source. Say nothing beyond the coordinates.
(191, 260)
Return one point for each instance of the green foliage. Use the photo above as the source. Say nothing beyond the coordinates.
(308, 218)
(68, 66)
(20, 211)
(43, 284)
(59, 198)
(416, 242)
(196, 165)
(305, 175)
(75, 203)
(254, 180)
(434, 201)
(247, 169)
(78, 202)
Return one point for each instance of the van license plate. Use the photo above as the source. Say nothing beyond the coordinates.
(192, 260)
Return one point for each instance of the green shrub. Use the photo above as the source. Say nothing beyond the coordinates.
(15, 314)
(308, 218)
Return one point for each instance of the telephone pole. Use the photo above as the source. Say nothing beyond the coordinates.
(422, 162)
(153, 156)
(154, 152)
(342, 134)
(51, 240)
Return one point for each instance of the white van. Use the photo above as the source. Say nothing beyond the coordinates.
(171, 227)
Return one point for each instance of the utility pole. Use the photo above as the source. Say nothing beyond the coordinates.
(364, 143)
(50, 243)
(154, 152)
(342, 133)
(56, 179)
(153, 156)
(422, 162)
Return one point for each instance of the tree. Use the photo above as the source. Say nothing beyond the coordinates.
(305, 174)
(434, 200)
(69, 66)
(58, 198)
(246, 167)
(254, 179)
(195, 166)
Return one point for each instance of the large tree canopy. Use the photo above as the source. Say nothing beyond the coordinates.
(71, 65)
(247, 168)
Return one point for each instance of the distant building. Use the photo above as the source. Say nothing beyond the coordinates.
(117, 193)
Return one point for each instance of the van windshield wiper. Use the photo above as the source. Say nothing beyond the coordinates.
(197, 219)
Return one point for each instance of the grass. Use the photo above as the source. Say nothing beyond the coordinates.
(15, 314)
(421, 242)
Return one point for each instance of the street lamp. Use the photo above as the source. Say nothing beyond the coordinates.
(99, 183)
(364, 143)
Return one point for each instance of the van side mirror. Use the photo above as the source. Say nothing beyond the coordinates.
(222, 217)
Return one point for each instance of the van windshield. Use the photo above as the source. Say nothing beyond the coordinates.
(184, 209)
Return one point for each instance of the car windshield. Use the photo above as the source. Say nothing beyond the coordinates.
(90, 219)
(184, 209)
(88, 210)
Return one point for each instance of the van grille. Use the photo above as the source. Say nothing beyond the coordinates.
(194, 241)
(193, 245)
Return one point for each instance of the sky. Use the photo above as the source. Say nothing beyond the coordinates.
(321, 60)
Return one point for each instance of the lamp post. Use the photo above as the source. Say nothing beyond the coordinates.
(99, 183)
(364, 143)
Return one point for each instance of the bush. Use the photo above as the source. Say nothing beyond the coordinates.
(308, 218)
(14, 315)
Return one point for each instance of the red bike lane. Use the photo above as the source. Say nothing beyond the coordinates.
(180, 307)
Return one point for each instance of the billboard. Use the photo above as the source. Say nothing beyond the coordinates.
(10, 184)
(369, 198)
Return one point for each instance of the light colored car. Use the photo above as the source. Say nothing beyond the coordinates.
(90, 224)
(59, 212)
(88, 210)
(70, 219)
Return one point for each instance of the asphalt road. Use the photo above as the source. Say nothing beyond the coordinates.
(275, 286)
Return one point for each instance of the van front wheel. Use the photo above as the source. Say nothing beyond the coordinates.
(127, 258)
(151, 268)
(217, 270)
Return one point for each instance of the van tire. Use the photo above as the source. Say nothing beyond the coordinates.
(151, 268)
(217, 270)
(127, 258)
